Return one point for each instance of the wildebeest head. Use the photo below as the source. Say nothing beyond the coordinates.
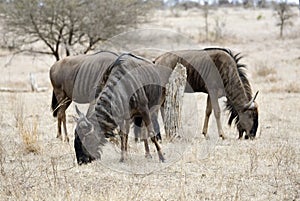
(88, 139)
(248, 119)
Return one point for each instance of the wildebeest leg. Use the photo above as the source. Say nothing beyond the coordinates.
(154, 119)
(137, 128)
(65, 106)
(138, 121)
(151, 133)
(241, 131)
(217, 113)
(147, 150)
(122, 136)
(207, 115)
(61, 117)
(63, 103)
(124, 140)
(162, 111)
(157, 133)
(160, 155)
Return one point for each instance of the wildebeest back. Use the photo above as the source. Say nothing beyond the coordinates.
(89, 74)
(201, 69)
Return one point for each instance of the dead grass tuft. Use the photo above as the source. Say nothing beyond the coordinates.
(28, 130)
(293, 88)
(290, 88)
(276, 89)
(30, 137)
(273, 78)
(265, 71)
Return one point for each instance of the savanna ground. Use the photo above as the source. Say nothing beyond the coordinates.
(34, 165)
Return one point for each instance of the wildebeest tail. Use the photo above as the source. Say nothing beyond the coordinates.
(54, 104)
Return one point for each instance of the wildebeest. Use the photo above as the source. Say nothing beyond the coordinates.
(131, 88)
(75, 78)
(230, 76)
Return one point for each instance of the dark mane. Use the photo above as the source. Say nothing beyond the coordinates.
(233, 115)
(111, 100)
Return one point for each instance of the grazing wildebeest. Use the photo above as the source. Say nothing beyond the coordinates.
(240, 103)
(75, 78)
(131, 88)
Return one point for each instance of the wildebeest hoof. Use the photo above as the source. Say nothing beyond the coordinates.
(59, 137)
(206, 137)
(136, 140)
(162, 159)
(84, 160)
(148, 156)
(246, 137)
(67, 139)
(121, 160)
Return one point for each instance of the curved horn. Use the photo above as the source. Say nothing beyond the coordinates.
(78, 111)
(250, 104)
(253, 99)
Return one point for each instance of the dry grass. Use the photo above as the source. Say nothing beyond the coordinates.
(29, 136)
(293, 88)
(265, 71)
(289, 88)
(263, 169)
(27, 128)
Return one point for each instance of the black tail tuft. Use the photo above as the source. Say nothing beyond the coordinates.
(54, 104)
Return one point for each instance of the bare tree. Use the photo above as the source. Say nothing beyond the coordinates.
(66, 27)
(284, 14)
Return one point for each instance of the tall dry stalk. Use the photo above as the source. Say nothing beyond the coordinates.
(2, 159)
(18, 111)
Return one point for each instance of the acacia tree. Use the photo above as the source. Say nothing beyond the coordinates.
(284, 14)
(66, 27)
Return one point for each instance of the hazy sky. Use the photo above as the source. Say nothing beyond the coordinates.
(201, 1)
